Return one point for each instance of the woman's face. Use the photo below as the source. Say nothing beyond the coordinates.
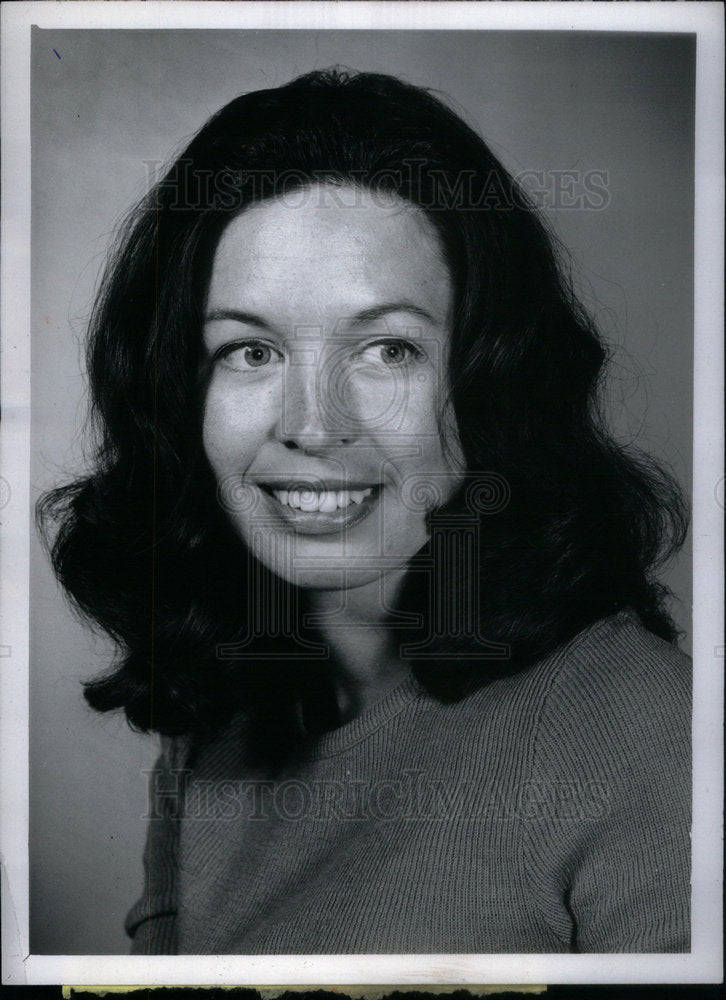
(326, 329)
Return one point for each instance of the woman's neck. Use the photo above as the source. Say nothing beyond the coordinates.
(364, 654)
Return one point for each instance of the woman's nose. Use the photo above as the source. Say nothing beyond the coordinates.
(314, 415)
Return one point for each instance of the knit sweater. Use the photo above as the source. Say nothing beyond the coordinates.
(546, 812)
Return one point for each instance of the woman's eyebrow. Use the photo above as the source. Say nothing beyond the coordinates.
(357, 319)
(239, 316)
(377, 312)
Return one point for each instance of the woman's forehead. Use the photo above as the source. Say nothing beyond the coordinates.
(326, 248)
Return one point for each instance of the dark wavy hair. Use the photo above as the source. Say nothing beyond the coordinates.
(555, 527)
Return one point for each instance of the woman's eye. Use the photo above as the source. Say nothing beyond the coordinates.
(392, 352)
(247, 357)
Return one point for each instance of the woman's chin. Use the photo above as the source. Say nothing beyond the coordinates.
(374, 541)
(342, 577)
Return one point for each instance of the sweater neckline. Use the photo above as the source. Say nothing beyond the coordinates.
(370, 719)
(344, 737)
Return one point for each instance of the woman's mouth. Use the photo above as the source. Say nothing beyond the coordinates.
(312, 510)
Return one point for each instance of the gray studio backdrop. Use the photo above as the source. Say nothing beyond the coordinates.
(602, 128)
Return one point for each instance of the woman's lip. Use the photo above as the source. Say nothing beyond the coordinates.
(315, 485)
(322, 522)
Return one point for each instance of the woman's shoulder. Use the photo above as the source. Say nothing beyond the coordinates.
(619, 654)
(613, 665)
(608, 798)
(620, 691)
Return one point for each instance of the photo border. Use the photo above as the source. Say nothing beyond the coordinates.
(703, 964)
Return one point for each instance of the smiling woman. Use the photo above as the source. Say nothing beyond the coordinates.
(376, 570)
(322, 361)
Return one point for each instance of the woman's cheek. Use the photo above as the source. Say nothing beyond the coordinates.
(420, 423)
(439, 467)
(235, 424)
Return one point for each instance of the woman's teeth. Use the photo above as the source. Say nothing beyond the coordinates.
(325, 502)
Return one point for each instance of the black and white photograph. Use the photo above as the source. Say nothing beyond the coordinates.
(363, 493)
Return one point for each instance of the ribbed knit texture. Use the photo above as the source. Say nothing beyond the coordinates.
(546, 812)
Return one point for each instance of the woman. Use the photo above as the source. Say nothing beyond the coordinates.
(376, 571)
